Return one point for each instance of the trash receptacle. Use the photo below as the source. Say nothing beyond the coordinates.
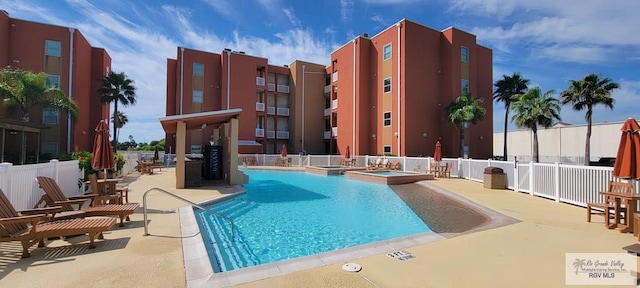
(494, 178)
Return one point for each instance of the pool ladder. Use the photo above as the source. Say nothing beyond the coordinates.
(144, 211)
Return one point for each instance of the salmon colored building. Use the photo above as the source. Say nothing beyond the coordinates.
(384, 94)
(71, 64)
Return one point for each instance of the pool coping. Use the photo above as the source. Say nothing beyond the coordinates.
(199, 272)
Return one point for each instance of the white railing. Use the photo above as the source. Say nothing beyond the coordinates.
(334, 131)
(283, 111)
(327, 112)
(259, 132)
(327, 89)
(334, 103)
(283, 134)
(326, 134)
(271, 86)
(260, 81)
(271, 110)
(283, 88)
(259, 106)
(271, 134)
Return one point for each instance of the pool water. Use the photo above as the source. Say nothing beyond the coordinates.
(286, 215)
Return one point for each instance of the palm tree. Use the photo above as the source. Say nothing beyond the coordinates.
(535, 109)
(463, 110)
(21, 90)
(117, 88)
(506, 91)
(586, 93)
(119, 121)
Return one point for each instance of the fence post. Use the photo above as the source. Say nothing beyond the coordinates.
(489, 162)
(531, 175)
(5, 178)
(516, 177)
(557, 184)
(469, 171)
(56, 168)
(404, 162)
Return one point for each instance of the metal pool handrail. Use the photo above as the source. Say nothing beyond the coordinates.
(144, 211)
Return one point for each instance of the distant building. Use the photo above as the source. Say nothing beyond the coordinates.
(380, 94)
(71, 64)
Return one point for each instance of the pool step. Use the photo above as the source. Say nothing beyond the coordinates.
(229, 253)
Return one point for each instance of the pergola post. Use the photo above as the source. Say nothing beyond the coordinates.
(181, 138)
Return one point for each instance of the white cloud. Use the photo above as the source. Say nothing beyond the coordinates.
(383, 2)
(223, 7)
(346, 7)
(378, 19)
(291, 16)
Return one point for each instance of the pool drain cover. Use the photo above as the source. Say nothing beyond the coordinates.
(401, 255)
(351, 267)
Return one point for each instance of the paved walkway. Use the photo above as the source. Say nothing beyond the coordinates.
(529, 253)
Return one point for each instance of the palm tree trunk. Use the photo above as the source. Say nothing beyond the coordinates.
(506, 119)
(115, 130)
(536, 158)
(587, 145)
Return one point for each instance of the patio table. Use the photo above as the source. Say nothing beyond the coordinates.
(631, 203)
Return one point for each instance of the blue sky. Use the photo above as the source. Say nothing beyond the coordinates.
(547, 41)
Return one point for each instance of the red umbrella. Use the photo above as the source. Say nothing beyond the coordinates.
(283, 151)
(627, 165)
(347, 154)
(437, 155)
(102, 157)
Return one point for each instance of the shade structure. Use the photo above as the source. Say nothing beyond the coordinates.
(347, 153)
(627, 163)
(437, 154)
(102, 157)
(283, 151)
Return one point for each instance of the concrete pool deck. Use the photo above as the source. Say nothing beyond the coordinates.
(530, 253)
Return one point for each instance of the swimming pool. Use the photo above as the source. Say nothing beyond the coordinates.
(285, 215)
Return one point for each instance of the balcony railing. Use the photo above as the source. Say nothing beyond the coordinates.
(327, 112)
(283, 135)
(327, 134)
(283, 111)
(259, 81)
(271, 110)
(283, 88)
(327, 89)
(259, 106)
(334, 76)
(334, 131)
(271, 134)
(259, 132)
(334, 104)
(271, 86)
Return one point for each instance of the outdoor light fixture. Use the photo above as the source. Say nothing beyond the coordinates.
(204, 125)
(424, 134)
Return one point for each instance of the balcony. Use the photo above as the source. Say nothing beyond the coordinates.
(259, 81)
(259, 106)
(283, 134)
(283, 88)
(327, 134)
(327, 112)
(283, 111)
(271, 134)
(271, 86)
(259, 132)
(327, 89)
(334, 76)
(334, 104)
(334, 131)
(271, 110)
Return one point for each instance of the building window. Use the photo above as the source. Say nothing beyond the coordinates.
(196, 149)
(386, 52)
(197, 97)
(464, 54)
(465, 86)
(386, 85)
(386, 119)
(53, 48)
(53, 81)
(50, 116)
(386, 148)
(198, 69)
(49, 148)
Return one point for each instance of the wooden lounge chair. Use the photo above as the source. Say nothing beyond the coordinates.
(374, 165)
(30, 229)
(54, 197)
(608, 207)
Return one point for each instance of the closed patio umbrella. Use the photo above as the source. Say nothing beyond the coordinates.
(102, 157)
(627, 165)
(437, 154)
(347, 153)
(283, 151)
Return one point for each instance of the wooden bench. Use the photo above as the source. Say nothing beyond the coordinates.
(609, 204)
